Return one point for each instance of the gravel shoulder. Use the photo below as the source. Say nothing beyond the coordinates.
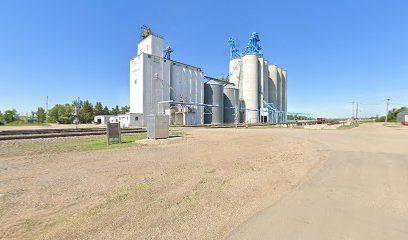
(199, 187)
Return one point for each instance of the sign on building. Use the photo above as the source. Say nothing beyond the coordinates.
(113, 133)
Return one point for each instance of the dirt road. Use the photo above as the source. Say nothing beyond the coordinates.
(361, 192)
(200, 187)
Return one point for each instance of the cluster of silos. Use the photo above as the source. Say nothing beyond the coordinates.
(262, 87)
(222, 103)
(278, 87)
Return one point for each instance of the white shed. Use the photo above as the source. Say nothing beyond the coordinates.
(102, 119)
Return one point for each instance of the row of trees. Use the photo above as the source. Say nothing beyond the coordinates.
(9, 116)
(84, 111)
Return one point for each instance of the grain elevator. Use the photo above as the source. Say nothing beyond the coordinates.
(254, 92)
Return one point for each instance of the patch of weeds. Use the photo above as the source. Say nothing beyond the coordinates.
(29, 224)
(74, 221)
(212, 170)
(345, 127)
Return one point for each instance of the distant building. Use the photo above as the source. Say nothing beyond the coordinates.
(402, 117)
(126, 120)
(102, 119)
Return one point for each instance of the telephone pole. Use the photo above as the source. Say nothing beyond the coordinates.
(357, 111)
(386, 109)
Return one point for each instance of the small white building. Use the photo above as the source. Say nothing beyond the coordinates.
(102, 119)
(127, 120)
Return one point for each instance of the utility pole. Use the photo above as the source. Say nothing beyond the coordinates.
(357, 111)
(386, 109)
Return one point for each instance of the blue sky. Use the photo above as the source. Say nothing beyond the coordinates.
(335, 51)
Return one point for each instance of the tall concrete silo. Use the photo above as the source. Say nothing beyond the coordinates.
(250, 87)
(235, 73)
(273, 84)
(279, 90)
(213, 95)
(231, 101)
(285, 90)
(263, 87)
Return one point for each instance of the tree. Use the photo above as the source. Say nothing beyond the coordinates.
(86, 112)
(61, 114)
(115, 110)
(98, 110)
(10, 115)
(124, 110)
(391, 115)
(41, 115)
(106, 110)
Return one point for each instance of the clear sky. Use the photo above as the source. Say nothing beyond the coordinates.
(335, 51)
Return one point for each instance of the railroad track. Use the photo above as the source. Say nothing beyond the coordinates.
(53, 133)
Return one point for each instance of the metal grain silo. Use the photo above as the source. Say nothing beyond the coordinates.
(279, 90)
(285, 90)
(213, 95)
(273, 84)
(250, 87)
(231, 101)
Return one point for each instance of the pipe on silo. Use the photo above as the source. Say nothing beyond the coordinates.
(250, 87)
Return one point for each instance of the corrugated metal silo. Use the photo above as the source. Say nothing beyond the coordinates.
(231, 101)
(250, 85)
(273, 84)
(213, 95)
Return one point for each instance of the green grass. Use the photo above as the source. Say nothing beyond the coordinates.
(23, 123)
(80, 144)
(62, 145)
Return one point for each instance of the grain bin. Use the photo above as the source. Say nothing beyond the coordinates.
(231, 101)
(250, 87)
(213, 95)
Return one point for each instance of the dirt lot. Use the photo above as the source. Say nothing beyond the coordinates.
(199, 187)
(360, 192)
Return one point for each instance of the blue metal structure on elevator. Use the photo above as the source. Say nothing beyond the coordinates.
(167, 52)
(253, 46)
(234, 52)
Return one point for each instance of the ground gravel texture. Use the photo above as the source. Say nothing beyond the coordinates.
(199, 187)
